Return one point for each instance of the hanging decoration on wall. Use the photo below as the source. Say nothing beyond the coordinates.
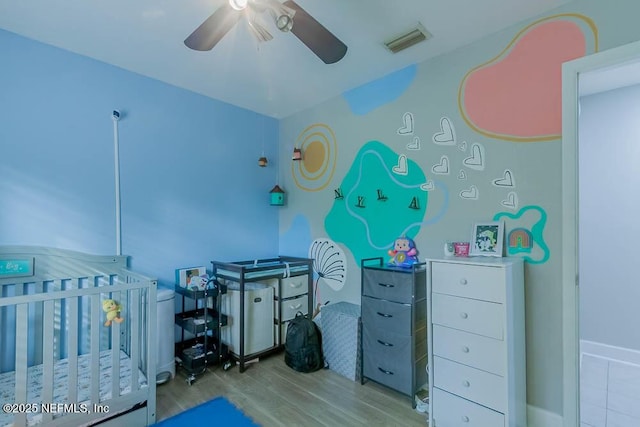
(277, 196)
(262, 161)
(414, 203)
(297, 154)
(315, 169)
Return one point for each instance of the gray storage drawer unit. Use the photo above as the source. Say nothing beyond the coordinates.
(394, 326)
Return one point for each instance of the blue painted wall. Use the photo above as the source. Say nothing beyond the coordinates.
(190, 185)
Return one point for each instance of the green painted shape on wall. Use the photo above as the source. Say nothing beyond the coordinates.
(534, 219)
(382, 201)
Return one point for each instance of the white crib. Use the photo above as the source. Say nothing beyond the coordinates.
(58, 360)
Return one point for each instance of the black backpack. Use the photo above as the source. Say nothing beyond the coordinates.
(303, 348)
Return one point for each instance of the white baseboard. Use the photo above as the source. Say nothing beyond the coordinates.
(610, 352)
(537, 417)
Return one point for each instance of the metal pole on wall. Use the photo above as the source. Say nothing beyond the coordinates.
(116, 116)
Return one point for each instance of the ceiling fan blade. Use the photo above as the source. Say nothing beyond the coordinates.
(211, 31)
(315, 36)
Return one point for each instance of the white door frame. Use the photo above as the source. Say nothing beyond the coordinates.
(570, 297)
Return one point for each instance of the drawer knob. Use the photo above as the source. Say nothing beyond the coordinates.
(465, 419)
(464, 315)
(465, 349)
(466, 383)
(463, 281)
(386, 344)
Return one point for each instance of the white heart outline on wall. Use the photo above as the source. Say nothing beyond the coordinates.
(471, 194)
(507, 180)
(441, 168)
(427, 186)
(476, 161)
(415, 144)
(407, 128)
(511, 201)
(447, 134)
(462, 146)
(401, 168)
(462, 175)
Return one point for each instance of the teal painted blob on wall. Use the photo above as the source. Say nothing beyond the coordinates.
(381, 201)
(525, 233)
(370, 96)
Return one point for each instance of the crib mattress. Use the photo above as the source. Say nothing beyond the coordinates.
(61, 383)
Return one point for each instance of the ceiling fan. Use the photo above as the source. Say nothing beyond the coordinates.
(288, 16)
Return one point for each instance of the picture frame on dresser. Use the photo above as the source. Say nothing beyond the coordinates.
(487, 239)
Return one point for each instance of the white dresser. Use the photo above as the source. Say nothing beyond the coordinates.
(476, 349)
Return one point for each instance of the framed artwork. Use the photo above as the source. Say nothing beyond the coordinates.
(487, 239)
(184, 275)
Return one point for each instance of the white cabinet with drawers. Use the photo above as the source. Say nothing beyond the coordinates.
(476, 334)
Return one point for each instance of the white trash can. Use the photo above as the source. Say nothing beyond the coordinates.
(165, 357)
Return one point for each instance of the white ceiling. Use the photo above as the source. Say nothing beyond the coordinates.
(276, 78)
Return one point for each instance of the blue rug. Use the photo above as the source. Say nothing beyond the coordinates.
(216, 412)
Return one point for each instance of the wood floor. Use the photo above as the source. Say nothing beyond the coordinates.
(273, 394)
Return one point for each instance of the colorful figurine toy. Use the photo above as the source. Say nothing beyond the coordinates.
(404, 253)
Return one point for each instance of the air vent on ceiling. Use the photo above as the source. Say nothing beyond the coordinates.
(408, 39)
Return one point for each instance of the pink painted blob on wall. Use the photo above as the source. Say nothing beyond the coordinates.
(517, 96)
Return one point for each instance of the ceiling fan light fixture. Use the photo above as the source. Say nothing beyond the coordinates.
(238, 4)
(284, 23)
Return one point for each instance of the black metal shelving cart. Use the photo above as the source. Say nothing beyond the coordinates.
(203, 323)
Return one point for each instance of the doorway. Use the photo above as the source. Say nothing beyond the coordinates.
(600, 72)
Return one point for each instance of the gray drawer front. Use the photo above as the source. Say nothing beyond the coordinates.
(389, 285)
(387, 364)
(388, 316)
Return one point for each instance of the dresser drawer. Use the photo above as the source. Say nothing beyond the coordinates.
(387, 359)
(294, 286)
(473, 350)
(471, 281)
(292, 306)
(452, 411)
(390, 285)
(473, 384)
(479, 317)
(387, 316)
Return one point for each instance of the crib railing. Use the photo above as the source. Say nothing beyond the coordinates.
(51, 320)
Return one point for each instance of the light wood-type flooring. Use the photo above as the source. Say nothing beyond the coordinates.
(272, 394)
